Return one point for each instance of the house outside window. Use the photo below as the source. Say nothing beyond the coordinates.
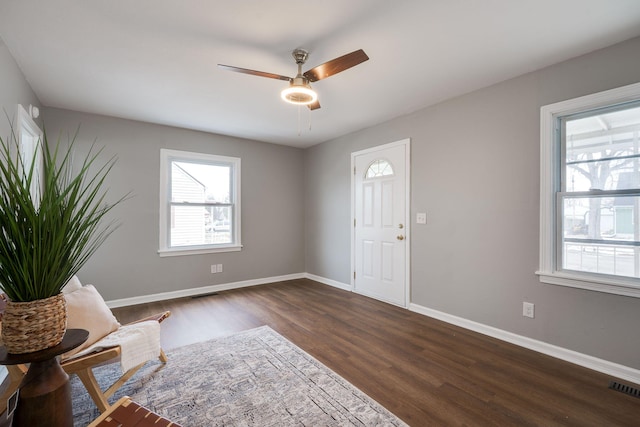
(590, 192)
(199, 203)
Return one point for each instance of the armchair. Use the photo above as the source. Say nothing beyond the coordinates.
(87, 310)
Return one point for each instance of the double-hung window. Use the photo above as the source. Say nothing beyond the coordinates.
(199, 203)
(590, 192)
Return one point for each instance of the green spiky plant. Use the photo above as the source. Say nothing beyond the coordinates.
(44, 242)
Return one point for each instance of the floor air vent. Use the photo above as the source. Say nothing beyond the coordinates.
(204, 295)
(631, 391)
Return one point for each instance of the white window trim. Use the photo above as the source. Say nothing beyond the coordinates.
(548, 178)
(164, 250)
(26, 128)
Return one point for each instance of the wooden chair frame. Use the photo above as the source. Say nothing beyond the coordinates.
(83, 367)
(16, 374)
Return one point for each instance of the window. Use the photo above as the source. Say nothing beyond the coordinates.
(590, 192)
(379, 168)
(199, 203)
(29, 137)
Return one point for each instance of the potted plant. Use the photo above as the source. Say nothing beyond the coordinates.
(46, 238)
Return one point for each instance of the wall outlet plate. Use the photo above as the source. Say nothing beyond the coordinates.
(528, 309)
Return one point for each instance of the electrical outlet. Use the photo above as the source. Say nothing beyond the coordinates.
(528, 309)
(421, 218)
(214, 269)
(219, 268)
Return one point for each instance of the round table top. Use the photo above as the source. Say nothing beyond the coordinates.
(72, 339)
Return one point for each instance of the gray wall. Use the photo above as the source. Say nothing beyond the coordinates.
(14, 89)
(475, 171)
(128, 264)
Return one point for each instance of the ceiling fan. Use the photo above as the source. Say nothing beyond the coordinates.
(299, 90)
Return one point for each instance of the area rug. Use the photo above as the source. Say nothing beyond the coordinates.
(253, 378)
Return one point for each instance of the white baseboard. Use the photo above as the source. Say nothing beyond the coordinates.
(200, 291)
(329, 282)
(600, 365)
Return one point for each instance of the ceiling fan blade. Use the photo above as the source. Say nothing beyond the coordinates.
(314, 105)
(254, 72)
(336, 65)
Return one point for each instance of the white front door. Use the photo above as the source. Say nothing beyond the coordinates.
(381, 228)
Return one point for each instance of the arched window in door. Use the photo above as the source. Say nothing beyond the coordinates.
(378, 168)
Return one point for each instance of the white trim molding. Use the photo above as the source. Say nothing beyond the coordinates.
(324, 280)
(600, 365)
(162, 296)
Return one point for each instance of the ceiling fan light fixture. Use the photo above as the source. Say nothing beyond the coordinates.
(299, 95)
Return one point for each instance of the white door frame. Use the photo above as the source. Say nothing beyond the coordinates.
(407, 143)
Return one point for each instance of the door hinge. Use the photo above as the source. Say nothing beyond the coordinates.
(354, 222)
(354, 275)
(354, 170)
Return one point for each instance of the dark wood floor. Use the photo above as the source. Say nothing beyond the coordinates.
(425, 371)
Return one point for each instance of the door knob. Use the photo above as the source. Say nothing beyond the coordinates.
(400, 226)
(400, 237)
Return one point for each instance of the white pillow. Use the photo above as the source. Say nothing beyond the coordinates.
(72, 285)
(87, 310)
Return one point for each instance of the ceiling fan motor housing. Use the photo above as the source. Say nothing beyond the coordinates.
(300, 56)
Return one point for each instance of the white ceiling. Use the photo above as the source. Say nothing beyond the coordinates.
(156, 60)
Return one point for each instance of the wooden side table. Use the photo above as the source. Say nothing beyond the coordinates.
(45, 392)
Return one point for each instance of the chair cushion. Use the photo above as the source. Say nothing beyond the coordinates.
(87, 310)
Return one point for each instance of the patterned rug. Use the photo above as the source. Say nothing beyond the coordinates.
(253, 378)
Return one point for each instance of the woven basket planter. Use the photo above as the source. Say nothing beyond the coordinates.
(34, 325)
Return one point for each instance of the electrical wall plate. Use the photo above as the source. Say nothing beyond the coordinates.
(528, 309)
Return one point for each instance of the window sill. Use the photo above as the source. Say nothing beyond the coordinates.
(617, 286)
(198, 251)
